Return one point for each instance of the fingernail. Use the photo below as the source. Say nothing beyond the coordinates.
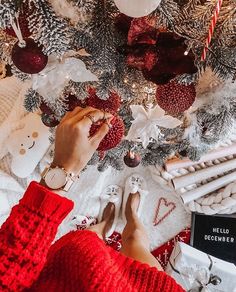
(108, 122)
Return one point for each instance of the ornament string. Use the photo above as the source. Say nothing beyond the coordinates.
(211, 29)
(16, 27)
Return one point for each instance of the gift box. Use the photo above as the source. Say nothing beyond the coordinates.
(197, 271)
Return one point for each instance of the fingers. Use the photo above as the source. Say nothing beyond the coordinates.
(101, 133)
(93, 117)
(71, 114)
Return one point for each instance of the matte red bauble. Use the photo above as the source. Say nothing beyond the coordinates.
(45, 108)
(132, 159)
(111, 105)
(29, 59)
(49, 120)
(72, 102)
(114, 136)
(175, 98)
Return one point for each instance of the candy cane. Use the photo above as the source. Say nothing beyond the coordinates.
(211, 29)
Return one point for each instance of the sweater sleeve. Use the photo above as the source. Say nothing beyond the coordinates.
(27, 234)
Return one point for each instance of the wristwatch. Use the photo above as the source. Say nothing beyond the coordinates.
(57, 178)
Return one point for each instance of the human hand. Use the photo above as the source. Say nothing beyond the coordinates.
(73, 145)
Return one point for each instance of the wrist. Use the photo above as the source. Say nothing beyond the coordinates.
(75, 169)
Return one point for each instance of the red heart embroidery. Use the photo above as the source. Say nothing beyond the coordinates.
(163, 210)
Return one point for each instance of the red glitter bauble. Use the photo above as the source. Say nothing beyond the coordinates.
(29, 59)
(132, 159)
(110, 105)
(114, 136)
(175, 98)
(23, 23)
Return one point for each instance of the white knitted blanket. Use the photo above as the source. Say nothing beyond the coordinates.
(85, 193)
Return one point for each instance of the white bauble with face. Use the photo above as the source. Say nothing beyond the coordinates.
(56, 178)
(137, 8)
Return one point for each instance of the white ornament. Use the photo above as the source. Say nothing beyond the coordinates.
(51, 81)
(137, 8)
(28, 145)
(145, 126)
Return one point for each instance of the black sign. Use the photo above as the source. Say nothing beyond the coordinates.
(215, 235)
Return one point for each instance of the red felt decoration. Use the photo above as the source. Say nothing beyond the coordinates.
(114, 136)
(175, 98)
(111, 105)
(29, 59)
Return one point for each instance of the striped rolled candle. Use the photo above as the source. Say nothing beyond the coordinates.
(211, 29)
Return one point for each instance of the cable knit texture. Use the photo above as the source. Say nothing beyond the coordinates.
(79, 261)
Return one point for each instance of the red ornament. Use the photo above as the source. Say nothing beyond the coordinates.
(142, 60)
(23, 25)
(142, 31)
(113, 137)
(29, 59)
(45, 108)
(49, 120)
(72, 102)
(111, 105)
(132, 159)
(175, 98)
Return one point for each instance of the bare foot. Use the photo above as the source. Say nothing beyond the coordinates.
(132, 206)
(108, 216)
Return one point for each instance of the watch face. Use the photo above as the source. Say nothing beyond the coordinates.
(56, 178)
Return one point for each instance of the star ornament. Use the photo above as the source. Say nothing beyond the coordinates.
(146, 124)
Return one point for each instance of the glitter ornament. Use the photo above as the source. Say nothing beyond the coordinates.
(49, 120)
(132, 159)
(175, 98)
(29, 58)
(111, 105)
(113, 137)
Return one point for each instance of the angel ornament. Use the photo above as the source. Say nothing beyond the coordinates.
(148, 122)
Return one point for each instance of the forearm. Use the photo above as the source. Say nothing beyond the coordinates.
(27, 234)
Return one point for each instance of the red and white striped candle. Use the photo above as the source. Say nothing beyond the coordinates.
(211, 29)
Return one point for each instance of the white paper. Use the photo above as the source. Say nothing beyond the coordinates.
(194, 267)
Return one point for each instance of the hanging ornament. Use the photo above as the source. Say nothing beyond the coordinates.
(23, 25)
(175, 98)
(111, 105)
(72, 102)
(45, 109)
(49, 120)
(113, 137)
(137, 8)
(146, 124)
(28, 57)
(132, 159)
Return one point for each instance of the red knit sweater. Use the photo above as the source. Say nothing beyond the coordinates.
(79, 261)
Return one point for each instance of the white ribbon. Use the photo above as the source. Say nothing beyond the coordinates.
(16, 27)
